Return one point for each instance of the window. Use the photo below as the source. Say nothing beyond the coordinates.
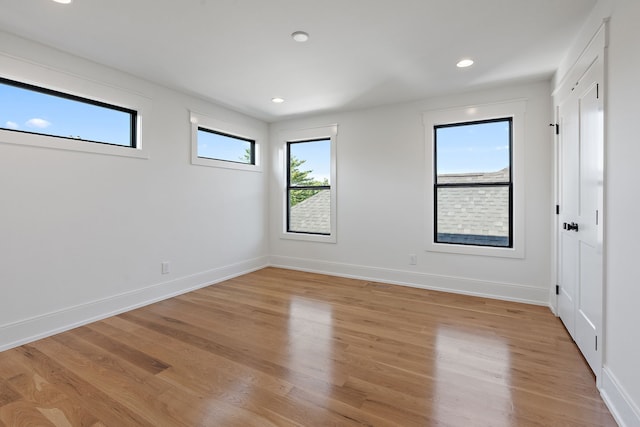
(29, 109)
(310, 184)
(222, 144)
(228, 148)
(472, 183)
(308, 187)
(475, 180)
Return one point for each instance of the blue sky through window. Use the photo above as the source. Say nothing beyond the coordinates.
(317, 156)
(222, 147)
(474, 147)
(26, 110)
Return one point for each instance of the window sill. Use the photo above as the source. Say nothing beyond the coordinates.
(309, 237)
(56, 143)
(202, 161)
(515, 252)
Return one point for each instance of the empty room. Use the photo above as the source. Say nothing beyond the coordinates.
(319, 213)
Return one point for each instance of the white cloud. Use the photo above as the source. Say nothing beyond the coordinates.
(11, 125)
(38, 123)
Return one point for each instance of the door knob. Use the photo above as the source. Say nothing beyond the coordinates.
(569, 227)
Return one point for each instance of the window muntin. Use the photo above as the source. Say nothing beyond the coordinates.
(309, 187)
(473, 191)
(216, 145)
(30, 109)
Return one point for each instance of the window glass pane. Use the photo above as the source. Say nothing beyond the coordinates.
(473, 150)
(48, 113)
(310, 211)
(218, 146)
(473, 215)
(310, 163)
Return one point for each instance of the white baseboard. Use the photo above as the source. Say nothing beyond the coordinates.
(496, 290)
(25, 331)
(622, 407)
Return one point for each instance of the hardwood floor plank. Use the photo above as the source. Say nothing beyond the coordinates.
(69, 413)
(130, 386)
(287, 348)
(123, 351)
(262, 359)
(23, 414)
(211, 369)
(103, 406)
(8, 394)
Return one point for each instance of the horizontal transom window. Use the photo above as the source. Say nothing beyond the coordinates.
(228, 148)
(31, 109)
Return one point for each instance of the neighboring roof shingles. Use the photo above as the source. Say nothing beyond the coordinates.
(312, 215)
(480, 211)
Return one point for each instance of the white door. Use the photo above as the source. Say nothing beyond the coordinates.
(580, 277)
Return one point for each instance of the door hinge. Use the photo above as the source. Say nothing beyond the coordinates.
(557, 209)
(596, 343)
(597, 218)
(557, 289)
(557, 129)
(597, 90)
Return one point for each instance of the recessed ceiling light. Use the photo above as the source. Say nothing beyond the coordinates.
(277, 100)
(300, 36)
(465, 63)
(63, 1)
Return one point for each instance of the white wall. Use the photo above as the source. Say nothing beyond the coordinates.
(381, 202)
(83, 235)
(622, 351)
(621, 357)
(622, 346)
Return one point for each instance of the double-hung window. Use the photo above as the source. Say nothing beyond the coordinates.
(309, 187)
(475, 179)
(310, 184)
(472, 183)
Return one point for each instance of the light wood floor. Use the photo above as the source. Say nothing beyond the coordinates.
(284, 348)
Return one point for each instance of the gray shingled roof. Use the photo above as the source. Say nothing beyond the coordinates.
(480, 213)
(312, 215)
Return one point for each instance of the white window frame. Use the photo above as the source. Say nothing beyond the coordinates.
(514, 109)
(67, 83)
(299, 135)
(199, 120)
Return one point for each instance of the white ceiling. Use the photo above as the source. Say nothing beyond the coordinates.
(362, 53)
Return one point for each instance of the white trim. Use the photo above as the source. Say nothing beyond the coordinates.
(461, 285)
(555, 191)
(622, 407)
(515, 109)
(72, 84)
(292, 135)
(235, 129)
(596, 44)
(42, 326)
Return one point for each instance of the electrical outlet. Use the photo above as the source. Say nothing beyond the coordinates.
(413, 259)
(165, 267)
